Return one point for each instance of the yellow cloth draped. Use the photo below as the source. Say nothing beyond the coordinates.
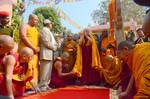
(96, 63)
(33, 36)
(139, 63)
(24, 77)
(112, 72)
(104, 44)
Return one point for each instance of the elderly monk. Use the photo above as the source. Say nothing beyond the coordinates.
(60, 76)
(23, 72)
(88, 60)
(7, 62)
(70, 46)
(29, 36)
(137, 58)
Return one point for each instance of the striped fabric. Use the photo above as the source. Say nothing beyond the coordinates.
(70, 1)
(69, 20)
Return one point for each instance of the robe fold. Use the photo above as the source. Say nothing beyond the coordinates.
(139, 64)
(112, 72)
(95, 57)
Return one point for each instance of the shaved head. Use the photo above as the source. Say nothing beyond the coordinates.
(7, 41)
(33, 19)
(124, 49)
(146, 25)
(124, 44)
(26, 51)
(26, 54)
(33, 16)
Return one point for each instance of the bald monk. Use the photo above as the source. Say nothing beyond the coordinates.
(7, 63)
(23, 73)
(137, 58)
(29, 37)
(60, 76)
(10, 85)
(70, 46)
(88, 63)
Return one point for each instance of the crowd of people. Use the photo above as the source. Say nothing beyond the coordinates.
(41, 61)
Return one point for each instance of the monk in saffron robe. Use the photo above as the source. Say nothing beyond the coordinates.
(88, 63)
(113, 72)
(29, 36)
(137, 58)
(60, 76)
(106, 47)
(70, 46)
(21, 73)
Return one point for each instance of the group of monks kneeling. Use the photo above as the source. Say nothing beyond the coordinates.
(14, 69)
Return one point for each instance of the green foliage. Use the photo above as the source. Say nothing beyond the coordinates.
(100, 16)
(132, 10)
(16, 22)
(129, 10)
(49, 13)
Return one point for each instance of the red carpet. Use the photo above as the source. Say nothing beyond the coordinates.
(73, 93)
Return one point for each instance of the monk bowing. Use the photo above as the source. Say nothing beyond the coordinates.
(7, 63)
(137, 58)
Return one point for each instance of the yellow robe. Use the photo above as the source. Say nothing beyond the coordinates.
(112, 72)
(139, 63)
(96, 63)
(33, 37)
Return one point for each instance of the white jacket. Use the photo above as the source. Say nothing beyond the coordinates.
(48, 44)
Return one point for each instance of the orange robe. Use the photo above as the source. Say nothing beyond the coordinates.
(71, 47)
(139, 64)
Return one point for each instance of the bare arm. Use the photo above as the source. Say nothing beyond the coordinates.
(9, 62)
(24, 38)
(58, 67)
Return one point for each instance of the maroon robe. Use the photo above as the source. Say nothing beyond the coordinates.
(90, 76)
(125, 78)
(57, 81)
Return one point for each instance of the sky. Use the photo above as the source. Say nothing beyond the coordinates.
(79, 11)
